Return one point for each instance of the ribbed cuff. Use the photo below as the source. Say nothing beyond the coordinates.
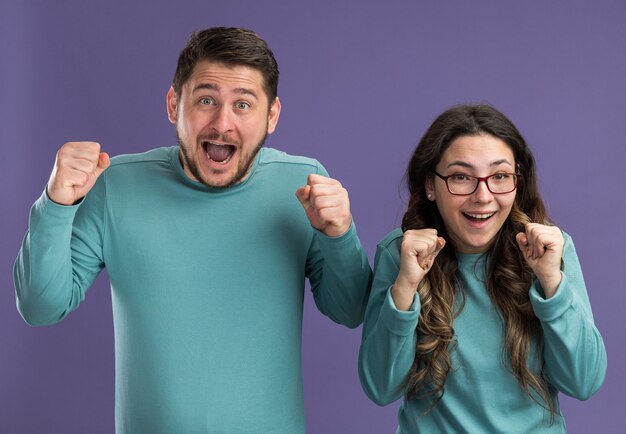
(339, 248)
(554, 307)
(400, 322)
(54, 214)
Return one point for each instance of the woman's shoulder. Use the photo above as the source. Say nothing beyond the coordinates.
(388, 249)
(392, 239)
(391, 244)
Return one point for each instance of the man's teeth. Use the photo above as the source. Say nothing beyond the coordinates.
(479, 216)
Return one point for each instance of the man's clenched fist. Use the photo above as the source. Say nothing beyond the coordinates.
(326, 204)
(76, 169)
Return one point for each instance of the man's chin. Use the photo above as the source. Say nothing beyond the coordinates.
(219, 182)
(223, 180)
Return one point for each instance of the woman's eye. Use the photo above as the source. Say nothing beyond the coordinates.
(459, 178)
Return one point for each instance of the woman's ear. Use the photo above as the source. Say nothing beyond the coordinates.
(430, 189)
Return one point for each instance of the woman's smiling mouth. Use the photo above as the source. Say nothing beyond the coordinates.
(476, 217)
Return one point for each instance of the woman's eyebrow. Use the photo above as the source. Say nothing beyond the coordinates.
(460, 163)
(469, 166)
(502, 161)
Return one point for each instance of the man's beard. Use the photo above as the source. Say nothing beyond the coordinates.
(240, 174)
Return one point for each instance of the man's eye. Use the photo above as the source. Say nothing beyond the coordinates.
(207, 101)
(241, 105)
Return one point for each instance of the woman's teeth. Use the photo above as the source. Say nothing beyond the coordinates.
(479, 216)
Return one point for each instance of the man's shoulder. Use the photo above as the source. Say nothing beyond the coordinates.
(270, 156)
(155, 155)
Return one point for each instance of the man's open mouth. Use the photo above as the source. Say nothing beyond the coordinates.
(218, 153)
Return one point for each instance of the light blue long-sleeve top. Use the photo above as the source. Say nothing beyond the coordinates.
(481, 394)
(207, 288)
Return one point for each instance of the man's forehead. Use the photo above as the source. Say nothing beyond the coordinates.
(222, 77)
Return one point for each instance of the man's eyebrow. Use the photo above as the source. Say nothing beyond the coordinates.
(246, 91)
(469, 166)
(206, 86)
(215, 87)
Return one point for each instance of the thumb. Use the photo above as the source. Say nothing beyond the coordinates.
(103, 163)
(303, 194)
(522, 241)
(440, 244)
(427, 262)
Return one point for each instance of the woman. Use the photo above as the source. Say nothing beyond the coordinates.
(478, 314)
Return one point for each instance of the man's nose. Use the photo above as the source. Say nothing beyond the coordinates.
(222, 120)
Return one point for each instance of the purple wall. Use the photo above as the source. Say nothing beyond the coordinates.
(359, 84)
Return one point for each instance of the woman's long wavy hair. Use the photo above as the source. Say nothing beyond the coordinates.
(508, 275)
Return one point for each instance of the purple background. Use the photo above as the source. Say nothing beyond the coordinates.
(360, 82)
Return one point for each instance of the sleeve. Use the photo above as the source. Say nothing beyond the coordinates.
(60, 257)
(389, 335)
(574, 354)
(340, 275)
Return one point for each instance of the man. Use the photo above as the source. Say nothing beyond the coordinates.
(206, 248)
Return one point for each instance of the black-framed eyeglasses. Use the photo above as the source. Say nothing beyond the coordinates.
(463, 185)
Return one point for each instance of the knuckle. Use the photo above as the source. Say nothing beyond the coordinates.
(64, 151)
(325, 215)
(315, 200)
(83, 177)
(312, 178)
(408, 237)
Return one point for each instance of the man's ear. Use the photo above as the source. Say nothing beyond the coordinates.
(172, 105)
(273, 115)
